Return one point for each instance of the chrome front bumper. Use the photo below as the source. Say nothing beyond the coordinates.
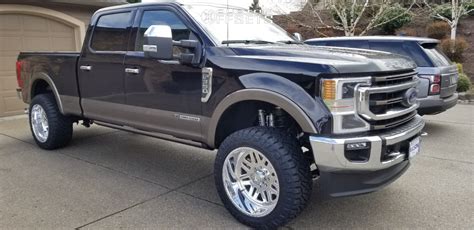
(329, 153)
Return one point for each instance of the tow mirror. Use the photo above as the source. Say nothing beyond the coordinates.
(159, 44)
(298, 37)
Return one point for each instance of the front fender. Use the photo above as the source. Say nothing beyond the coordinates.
(310, 113)
(313, 107)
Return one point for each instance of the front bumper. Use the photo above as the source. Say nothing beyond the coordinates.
(342, 177)
(436, 104)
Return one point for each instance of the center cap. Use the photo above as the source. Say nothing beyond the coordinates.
(258, 176)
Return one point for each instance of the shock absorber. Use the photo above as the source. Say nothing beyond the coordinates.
(261, 117)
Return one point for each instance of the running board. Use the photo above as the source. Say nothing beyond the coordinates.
(152, 134)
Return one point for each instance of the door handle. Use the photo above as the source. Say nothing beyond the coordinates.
(132, 70)
(85, 67)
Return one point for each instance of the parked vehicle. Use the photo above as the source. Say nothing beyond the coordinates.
(279, 112)
(438, 76)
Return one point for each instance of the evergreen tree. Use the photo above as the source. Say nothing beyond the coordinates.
(255, 7)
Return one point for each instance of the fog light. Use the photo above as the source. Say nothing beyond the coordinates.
(357, 146)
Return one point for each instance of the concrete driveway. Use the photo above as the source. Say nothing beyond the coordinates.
(113, 179)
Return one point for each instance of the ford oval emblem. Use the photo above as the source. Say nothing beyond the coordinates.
(410, 97)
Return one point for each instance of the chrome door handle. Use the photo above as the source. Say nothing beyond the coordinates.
(132, 70)
(85, 67)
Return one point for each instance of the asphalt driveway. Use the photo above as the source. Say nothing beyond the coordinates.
(113, 179)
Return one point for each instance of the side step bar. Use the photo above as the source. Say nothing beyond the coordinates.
(152, 134)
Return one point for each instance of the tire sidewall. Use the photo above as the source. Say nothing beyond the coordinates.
(59, 126)
(273, 156)
(38, 101)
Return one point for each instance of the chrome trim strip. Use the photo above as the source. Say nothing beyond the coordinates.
(395, 77)
(362, 97)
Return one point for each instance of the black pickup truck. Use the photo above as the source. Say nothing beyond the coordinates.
(280, 113)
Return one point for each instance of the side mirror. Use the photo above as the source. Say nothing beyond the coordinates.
(158, 42)
(298, 37)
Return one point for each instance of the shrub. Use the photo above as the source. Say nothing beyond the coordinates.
(464, 83)
(460, 67)
(456, 54)
(443, 10)
(438, 30)
(407, 32)
(397, 16)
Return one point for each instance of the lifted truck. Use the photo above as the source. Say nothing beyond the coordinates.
(280, 113)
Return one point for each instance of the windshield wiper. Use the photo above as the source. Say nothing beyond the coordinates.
(246, 42)
(290, 42)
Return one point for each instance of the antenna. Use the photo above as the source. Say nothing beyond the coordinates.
(227, 20)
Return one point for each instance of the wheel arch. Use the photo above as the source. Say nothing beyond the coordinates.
(257, 95)
(38, 82)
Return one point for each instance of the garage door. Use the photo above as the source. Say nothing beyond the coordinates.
(21, 32)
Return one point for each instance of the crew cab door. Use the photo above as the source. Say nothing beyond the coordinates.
(164, 96)
(101, 71)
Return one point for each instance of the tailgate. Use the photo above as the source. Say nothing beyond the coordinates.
(449, 79)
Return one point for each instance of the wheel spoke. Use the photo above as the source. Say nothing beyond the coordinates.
(257, 188)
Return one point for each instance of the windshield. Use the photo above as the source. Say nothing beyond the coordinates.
(237, 25)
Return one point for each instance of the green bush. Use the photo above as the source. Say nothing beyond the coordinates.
(443, 10)
(438, 30)
(397, 16)
(460, 67)
(464, 83)
(455, 54)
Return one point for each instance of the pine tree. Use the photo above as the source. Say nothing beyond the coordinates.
(255, 7)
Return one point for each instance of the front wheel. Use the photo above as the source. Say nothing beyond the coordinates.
(262, 177)
(50, 128)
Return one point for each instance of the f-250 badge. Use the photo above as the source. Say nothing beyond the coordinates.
(206, 84)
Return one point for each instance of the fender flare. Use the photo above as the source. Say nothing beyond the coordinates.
(45, 77)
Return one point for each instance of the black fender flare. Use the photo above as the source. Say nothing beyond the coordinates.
(276, 90)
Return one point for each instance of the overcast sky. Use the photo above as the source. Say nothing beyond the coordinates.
(270, 7)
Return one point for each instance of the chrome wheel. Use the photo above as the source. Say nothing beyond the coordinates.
(39, 123)
(251, 182)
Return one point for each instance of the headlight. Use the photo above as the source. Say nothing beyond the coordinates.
(338, 95)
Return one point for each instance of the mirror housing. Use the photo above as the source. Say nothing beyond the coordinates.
(298, 37)
(159, 44)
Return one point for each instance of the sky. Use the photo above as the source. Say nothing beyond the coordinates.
(270, 7)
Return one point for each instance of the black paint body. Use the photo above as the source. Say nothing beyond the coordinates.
(148, 100)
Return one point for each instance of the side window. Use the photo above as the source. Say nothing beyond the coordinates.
(317, 43)
(349, 44)
(111, 32)
(161, 17)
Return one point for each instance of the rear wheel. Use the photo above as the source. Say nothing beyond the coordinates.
(262, 177)
(50, 128)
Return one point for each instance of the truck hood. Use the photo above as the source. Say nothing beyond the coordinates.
(331, 59)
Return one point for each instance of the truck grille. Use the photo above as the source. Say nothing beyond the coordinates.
(384, 103)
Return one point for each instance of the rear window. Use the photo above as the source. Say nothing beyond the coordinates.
(111, 32)
(436, 55)
(408, 49)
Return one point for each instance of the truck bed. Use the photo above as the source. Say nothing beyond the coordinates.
(53, 67)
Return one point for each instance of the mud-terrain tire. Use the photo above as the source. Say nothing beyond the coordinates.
(50, 129)
(287, 169)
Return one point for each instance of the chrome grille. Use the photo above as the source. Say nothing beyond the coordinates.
(382, 103)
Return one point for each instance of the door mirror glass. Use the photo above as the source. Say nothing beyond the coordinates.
(158, 42)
